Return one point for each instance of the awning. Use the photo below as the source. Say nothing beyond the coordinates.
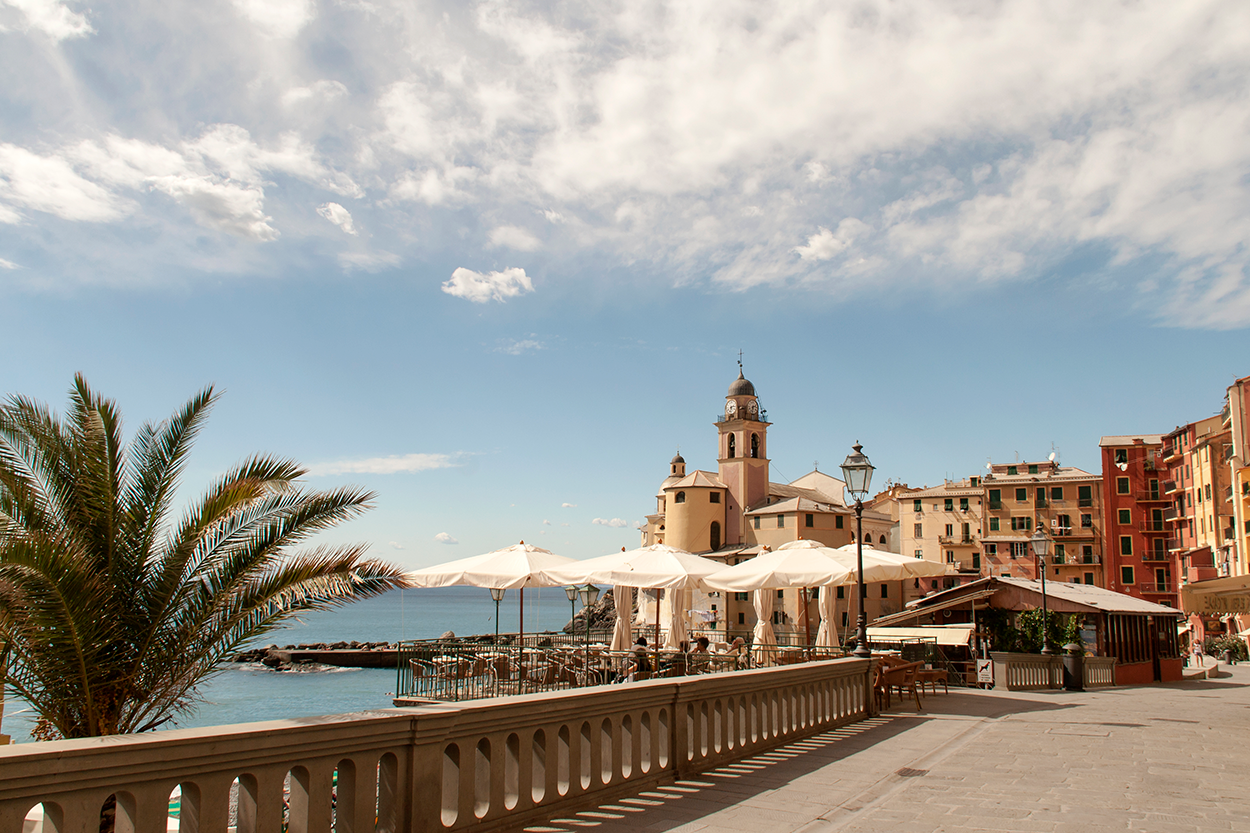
(923, 609)
(1217, 596)
(945, 635)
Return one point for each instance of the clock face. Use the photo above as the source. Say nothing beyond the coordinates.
(753, 406)
(731, 408)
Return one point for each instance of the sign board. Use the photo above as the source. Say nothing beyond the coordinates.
(985, 671)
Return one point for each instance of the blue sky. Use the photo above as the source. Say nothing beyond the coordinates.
(495, 260)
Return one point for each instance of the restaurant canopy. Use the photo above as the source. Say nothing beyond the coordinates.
(657, 566)
(515, 567)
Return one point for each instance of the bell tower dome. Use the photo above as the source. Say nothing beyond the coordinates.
(743, 455)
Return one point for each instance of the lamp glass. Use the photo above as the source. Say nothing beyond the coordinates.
(496, 593)
(589, 594)
(571, 592)
(1041, 544)
(857, 471)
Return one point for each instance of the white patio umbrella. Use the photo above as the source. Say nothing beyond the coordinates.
(763, 637)
(623, 597)
(657, 567)
(827, 633)
(914, 567)
(511, 568)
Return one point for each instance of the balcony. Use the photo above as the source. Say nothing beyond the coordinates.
(1151, 526)
(1170, 487)
(1151, 495)
(1172, 514)
(1156, 555)
(1150, 587)
(1171, 452)
(956, 540)
(1228, 494)
(1176, 544)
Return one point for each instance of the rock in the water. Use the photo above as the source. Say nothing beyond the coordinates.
(448, 635)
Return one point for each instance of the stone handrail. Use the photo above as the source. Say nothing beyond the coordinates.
(497, 764)
(1027, 672)
(1099, 671)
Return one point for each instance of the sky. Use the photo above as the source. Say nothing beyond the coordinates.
(495, 261)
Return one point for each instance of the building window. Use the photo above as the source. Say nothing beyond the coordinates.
(1061, 553)
(755, 445)
(885, 590)
(1121, 485)
(1012, 470)
(916, 506)
(1056, 493)
(1022, 495)
(950, 556)
(742, 597)
(882, 540)
(1087, 553)
(1019, 549)
(919, 553)
(837, 522)
(781, 521)
(1121, 455)
(1033, 469)
(757, 521)
(1125, 516)
(1018, 524)
(950, 530)
(996, 498)
(949, 504)
(1063, 524)
(917, 530)
(1085, 495)
(781, 594)
(809, 520)
(1089, 578)
(1126, 545)
(1126, 575)
(714, 535)
(1087, 521)
(841, 594)
(742, 618)
(974, 482)
(991, 549)
(993, 524)
(963, 504)
(1207, 489)
(976, 561)
(681, 498)
(714, 497)
(733, 446)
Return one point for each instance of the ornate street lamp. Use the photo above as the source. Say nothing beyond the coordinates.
(571, 592)
(857, 470)
(1041, 546)
(589, 595)
(496, 593)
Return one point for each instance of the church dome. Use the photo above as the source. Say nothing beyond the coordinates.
(678, 459)
(741, 387)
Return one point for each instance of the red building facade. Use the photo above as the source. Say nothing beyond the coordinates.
(1136, 503)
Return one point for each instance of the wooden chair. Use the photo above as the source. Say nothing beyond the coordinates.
(902, 677)
(931, 678)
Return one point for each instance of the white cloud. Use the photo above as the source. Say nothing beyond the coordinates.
(519, 346)
(223, 205)
(338, 215)
(546, 522)
(615, 523)
(479, 288)
(512, 237)
(51, 17)
(395, 545)
(367, 261)
(444, 538)
(394, 464)
(8, 264)
(277, 18)
(51, 185)
(324, 90)
(826, 244)
(568, 505)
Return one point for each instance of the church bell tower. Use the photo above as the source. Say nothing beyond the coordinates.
(743, 455)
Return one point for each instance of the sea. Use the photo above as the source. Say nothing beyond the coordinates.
(247, 692)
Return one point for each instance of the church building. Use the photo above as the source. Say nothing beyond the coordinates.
(735, 512)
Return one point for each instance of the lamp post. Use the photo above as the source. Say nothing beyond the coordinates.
(571, 592)
(589, 595)
(496, 593)
(1041, 545)
(857, 470)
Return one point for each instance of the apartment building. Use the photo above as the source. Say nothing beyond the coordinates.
(943, 524)
(1066, 500)
(1135, 535)
(1200, 519)
(1236, 418)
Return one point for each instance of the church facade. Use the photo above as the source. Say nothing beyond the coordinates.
(736, 511)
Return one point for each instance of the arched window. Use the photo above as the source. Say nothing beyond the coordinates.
(883, 539)
(681, 498)
(714, 538)
(755, 445)
(733, 446)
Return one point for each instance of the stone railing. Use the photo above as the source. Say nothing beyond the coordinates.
(1099, 671)
(1031, 672)
(1027, 672)
(498, 764)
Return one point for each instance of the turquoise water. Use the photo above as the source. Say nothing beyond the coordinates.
(244, 693)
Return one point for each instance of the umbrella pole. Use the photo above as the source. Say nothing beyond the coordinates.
(657, 629)
(521, 640)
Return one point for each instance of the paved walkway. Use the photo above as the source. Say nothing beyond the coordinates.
(1153, 758)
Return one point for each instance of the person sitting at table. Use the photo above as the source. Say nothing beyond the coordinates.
(640, 664)
(699, 656)
(738, 648)
(674, 665)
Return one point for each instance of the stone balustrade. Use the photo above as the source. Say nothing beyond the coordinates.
(1099, 671)
(496, 764)
(1027, 672)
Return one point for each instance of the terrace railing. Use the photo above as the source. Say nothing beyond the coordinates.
(499, 764)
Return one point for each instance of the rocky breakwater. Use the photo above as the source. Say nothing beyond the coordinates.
(338, 654)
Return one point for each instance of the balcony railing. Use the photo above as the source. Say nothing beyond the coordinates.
(1150, 495)
(1085, 501)
(956, 540)
(1170, 487)
(500, 764)
(1172, 514)
(1176, 544)
(1156, 555)
(1152, 526)
(1171, 451)
(1150, 587)
(1076, 560)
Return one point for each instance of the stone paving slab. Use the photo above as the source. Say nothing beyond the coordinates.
(1147, 759)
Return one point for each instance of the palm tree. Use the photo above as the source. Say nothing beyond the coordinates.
(113, 611)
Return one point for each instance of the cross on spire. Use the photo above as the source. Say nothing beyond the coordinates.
(740, 361)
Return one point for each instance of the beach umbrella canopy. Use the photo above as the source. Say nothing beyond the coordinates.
(875, 569)
(656, 566)
(763, 639)
(914, 567)
(622, 633)
(515, 567)
(793, 567)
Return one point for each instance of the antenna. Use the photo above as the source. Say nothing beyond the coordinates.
(739, 361)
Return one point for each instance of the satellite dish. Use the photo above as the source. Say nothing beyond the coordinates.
(1122, 466)
(989, 466)
(1051, 458)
